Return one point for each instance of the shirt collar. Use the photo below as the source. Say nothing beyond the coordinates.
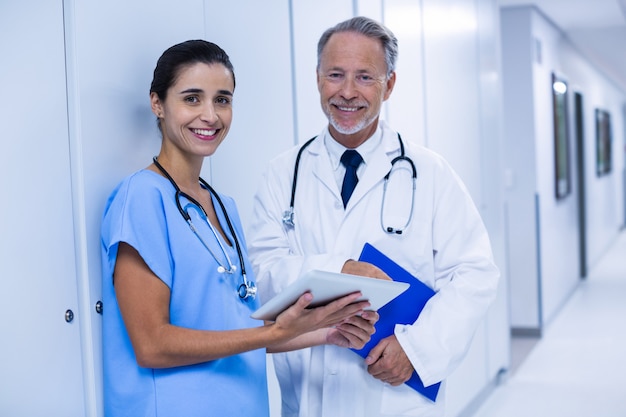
(366, 149)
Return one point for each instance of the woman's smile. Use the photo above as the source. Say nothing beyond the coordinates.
(205, 134)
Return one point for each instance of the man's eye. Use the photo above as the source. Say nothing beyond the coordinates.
(365, 79)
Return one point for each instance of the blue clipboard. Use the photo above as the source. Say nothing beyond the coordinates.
(404, 309)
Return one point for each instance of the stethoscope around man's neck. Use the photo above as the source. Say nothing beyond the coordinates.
(247, 289)
(289, 214)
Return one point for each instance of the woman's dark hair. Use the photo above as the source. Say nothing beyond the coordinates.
(177, 57)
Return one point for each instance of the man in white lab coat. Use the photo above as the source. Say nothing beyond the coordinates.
(434, 232)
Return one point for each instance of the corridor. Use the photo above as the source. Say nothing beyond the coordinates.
(578, 367)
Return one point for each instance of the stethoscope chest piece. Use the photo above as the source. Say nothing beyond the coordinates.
(288, 216)
(247, 289)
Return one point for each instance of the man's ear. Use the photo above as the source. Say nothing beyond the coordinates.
(390, 83)
(317, 78)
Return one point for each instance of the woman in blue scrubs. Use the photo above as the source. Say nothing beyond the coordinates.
(177, 333)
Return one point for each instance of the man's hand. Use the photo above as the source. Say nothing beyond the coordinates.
(388, 362)
(364, 269)
(353, 332)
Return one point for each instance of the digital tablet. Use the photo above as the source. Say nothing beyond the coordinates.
(328, 286)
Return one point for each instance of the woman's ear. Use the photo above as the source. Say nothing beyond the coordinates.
(155, 104)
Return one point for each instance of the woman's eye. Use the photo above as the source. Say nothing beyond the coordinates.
(192, 99)
(223, 100)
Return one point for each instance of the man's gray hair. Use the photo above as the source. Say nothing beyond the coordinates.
(371, 29)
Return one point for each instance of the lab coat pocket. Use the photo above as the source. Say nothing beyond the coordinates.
(403, 401)
(412, 249)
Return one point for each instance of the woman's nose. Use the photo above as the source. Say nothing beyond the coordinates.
(209, 114)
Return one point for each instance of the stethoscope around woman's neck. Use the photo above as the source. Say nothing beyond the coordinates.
(289, 214)
(247, 289)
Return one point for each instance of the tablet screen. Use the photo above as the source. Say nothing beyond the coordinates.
(327, 286)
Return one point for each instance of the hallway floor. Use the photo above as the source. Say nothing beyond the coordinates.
(578, 367)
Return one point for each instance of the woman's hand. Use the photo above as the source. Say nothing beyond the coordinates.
(299, 319)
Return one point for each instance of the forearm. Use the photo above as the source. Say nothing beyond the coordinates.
(164, 345)
(307, 340)
(172, 346)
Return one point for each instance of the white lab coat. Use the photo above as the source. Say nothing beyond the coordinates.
(446, 246)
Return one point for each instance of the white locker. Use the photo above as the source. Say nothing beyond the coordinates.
(40, 353)
(112, 50)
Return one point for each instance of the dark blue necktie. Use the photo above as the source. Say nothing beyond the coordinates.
(351, 160)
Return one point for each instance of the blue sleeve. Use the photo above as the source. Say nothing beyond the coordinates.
(135, 214)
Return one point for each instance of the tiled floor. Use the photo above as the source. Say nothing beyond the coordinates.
(578, 367)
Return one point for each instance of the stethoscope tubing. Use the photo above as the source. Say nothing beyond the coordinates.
(288, 215)
(247, 288)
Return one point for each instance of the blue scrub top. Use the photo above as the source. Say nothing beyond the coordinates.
(142, 212)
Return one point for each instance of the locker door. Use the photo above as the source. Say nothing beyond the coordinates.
(40, 352)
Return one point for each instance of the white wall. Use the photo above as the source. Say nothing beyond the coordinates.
(110, 51)
(520, 172)
(492, 205)
(405, 108)
(605, 194)
(544, 233)
(558, 231)
(462, 98)
(263, 122)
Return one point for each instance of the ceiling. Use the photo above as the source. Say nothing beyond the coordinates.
(597, 28)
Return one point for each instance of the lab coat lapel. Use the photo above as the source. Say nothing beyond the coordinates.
(322, 169)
